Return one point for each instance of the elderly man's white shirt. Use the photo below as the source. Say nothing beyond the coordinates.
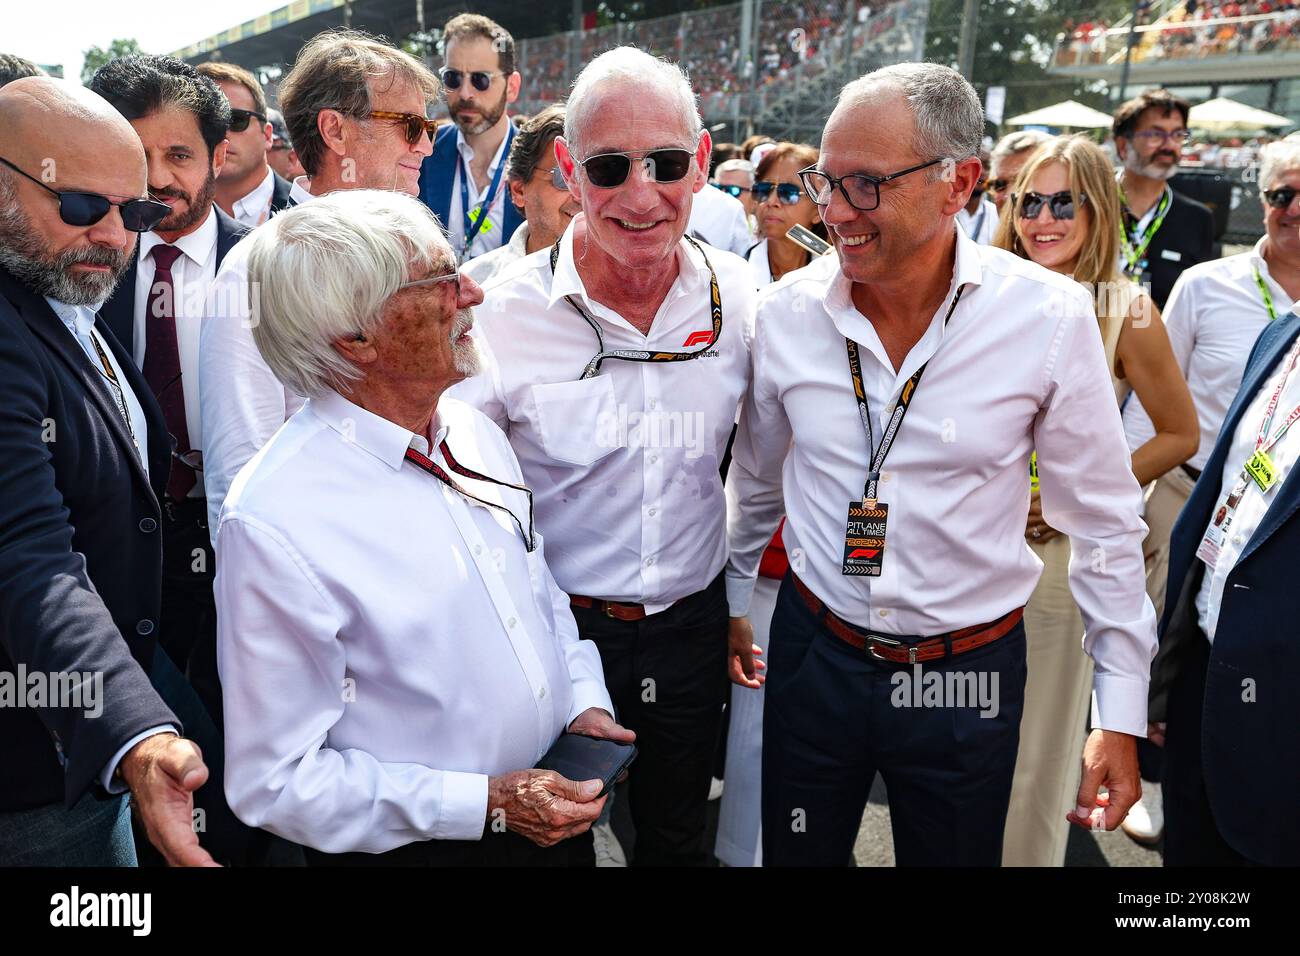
(1019, 367)
(385, 644)
(624, 464)
(484, 267)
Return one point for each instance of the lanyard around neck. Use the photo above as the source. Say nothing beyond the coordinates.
(639, 355)
(119, 395)
(1133, 253)
(429, 466)
(1268, 298)
(473, 224)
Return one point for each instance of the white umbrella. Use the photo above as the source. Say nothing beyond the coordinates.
(1222, 115)
(1067, 114)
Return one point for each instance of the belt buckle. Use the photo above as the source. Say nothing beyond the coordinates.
(609, 611)
(874, 639)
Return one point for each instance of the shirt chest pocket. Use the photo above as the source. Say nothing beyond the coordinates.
(578, 421)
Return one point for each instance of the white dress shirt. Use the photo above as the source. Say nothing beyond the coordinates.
(1214, 315)
(625, 464)
(253, 209)
(192, 276)
(1019, 367)
(489, 234)
(385, 644)
(759, 266)
(1254, 503)
(981, 224)
(489, 264)
(241, 401)
(719, 219)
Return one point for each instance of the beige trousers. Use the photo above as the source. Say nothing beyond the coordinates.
(1165, 499)
(1058, 690)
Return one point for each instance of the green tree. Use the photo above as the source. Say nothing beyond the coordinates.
(96, 57)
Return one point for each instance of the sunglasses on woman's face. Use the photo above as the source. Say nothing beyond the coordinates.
(608, 170)
(415, 124)
(86, 209)
(1059, 205)
(239, 119)
(1280, 198)
(787, 194)
(479, 79)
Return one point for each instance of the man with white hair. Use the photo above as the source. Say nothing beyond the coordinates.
(897, 644)
(394, 652)
(1214, 315)
(622, 353)
(1008, 158)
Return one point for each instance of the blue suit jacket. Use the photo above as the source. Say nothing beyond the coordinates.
(438, 175)
(1250, 748)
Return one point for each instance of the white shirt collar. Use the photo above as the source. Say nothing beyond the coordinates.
(197, 245)
(467, 152)
(690, 263)
(300, 191)
(519, 240)
(79, 319)
(254, 203)
(377, 436)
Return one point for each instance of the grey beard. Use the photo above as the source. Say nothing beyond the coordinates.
(465, 358)
(1150, 170)
(30, 261)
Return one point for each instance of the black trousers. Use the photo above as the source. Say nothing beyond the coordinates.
(504, 848)
(188, 625)
(1192, 837)
(833, 716)
(667, 676)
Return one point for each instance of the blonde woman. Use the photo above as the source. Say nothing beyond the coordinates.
(1064, 214)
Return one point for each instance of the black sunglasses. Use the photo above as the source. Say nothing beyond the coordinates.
(1280, 198)
(86, 209)
(239, 119)
(998, 185)
(861, 191)
(479, 79)
(1060, 205)
(731, 189)
(608, 170)
(786, 193)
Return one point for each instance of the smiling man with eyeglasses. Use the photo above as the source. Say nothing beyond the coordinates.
(463, 181)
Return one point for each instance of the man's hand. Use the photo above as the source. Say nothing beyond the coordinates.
(163, 771)
(1156, 733)
(1109, 760)
(742, 667)
(544, 806)
(1037, 531)
(594, 722)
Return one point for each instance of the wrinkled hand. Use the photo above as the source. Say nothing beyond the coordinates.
(742, 667)
(595, 722)
(1109, 760)
(163, 771)
(1035, 523)
(1156, 733)
(544, 806)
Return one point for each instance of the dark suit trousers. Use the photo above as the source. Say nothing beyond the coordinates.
(667, 676)
(1192, 837)
(831, 722)
(188, 629)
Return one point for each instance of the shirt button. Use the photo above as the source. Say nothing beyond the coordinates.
(511, 623)
(653, 403)
(649, 562)
(1236, 539)
(884, 476)
(148, 525)
(478, 549)
(144, 628)
(654, 459)
(653, 512)
(883, 612)
(541, 693)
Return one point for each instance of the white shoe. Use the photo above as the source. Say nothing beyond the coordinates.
(715, 788)
(1145, 822)
(609, 852)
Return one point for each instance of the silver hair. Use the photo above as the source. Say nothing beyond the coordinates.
(1276, 158)
(1018, 142)
(948, 114)
(735, 166)
(324, 270)
(628, 66)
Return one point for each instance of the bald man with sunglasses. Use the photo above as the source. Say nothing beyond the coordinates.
(84, 462)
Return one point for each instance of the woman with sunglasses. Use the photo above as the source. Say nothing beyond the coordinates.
(781, 203)
(1064, 214)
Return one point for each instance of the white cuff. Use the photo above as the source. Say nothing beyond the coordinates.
(1119, 704)
(106, 778)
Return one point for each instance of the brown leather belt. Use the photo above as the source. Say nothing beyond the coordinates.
(887, 647)
(618, 611)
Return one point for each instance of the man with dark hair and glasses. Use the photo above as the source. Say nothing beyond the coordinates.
(1164, 231)
(248, 189)
(905, 499)
(622, 352)
(84, 464)
(464, 180)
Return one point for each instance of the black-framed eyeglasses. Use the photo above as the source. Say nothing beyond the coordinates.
(415, 124)
(732, 189)
(1059, 205)
(610, 170)
(860, 190)
(479, 79)
(85, 209)
(239, 119)
(788, 194)
(1282, 197)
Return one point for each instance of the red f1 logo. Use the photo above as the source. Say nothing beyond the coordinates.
(864, 552)
(697, 338)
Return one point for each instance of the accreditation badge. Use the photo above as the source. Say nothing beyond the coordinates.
(1217, 532)
(864, 539)
(1262, 471)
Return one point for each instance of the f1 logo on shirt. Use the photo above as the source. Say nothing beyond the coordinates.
(697, 338)
(864, 552)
